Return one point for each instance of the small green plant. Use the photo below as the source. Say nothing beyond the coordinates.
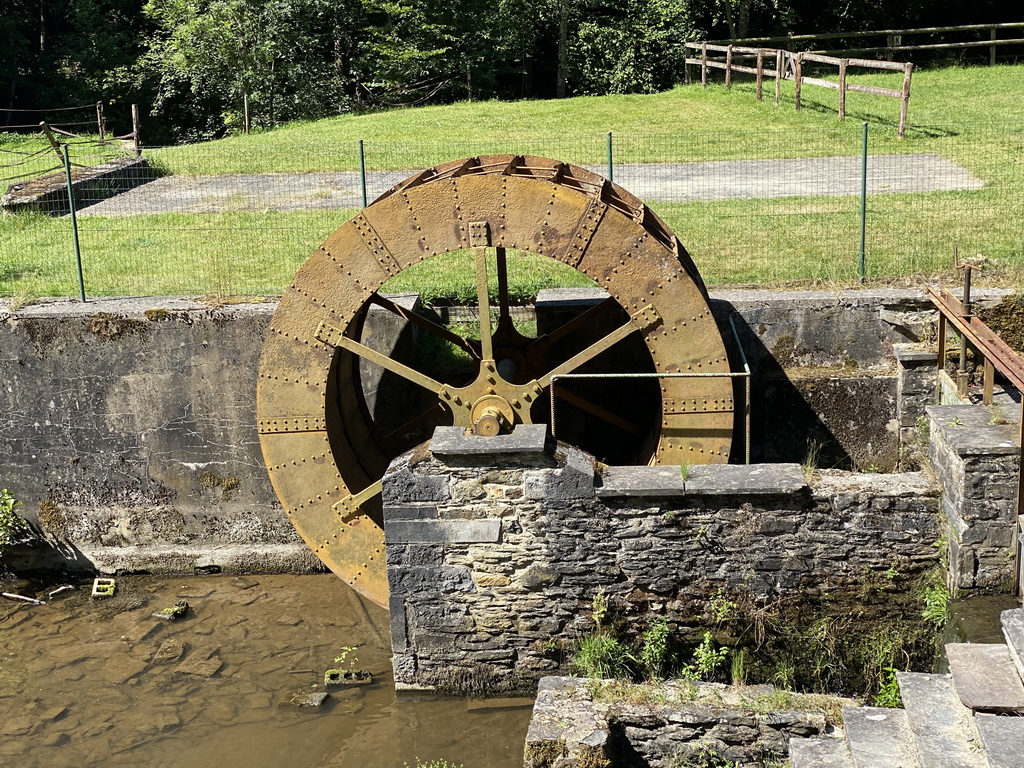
(601, 655)
(433, 764)
(341, 658)
(599, 608)
(701, 757)
(684, 470)
(13, 527)
(654, 652)
(936, 604)
(720, 607)
(957, 422)
(889, 691)
(811, 458)
(891, 573)
(706, 661)
(738, 667)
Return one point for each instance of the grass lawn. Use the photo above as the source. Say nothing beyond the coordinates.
(969, 116)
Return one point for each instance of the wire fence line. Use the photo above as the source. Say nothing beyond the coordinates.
(238, 218)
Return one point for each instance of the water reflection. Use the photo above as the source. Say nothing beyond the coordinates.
(102, 683)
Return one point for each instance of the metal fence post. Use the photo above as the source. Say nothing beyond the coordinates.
(66, 156)
(362, 171)
(611, 170)
(863, 202)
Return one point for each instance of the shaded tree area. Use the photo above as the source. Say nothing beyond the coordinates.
(203, 68)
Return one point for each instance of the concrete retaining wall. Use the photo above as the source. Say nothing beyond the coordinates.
(127, 427)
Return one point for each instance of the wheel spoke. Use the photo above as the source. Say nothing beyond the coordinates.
(503, 311)
(580, 321)
(336, 338)
(596, 410)
(637, 322)
(427, 325)
(483, 302)
(415, 423)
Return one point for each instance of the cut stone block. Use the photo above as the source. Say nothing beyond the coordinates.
(1013, 631)
(819, 753)
(879, 737)
(942, 727)
(985, 678)
(1003, 738)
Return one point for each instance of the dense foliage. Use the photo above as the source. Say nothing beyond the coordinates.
(195, 65)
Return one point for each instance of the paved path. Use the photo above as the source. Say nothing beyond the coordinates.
(652, 182)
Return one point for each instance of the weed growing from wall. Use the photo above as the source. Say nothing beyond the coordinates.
(13, 527)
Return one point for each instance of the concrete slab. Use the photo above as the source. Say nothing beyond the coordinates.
(525, 439)
(985, 678)
(1013, 630)
(879, 738)
(702, 480)
(942, 727)
(819, 753)
(1003, 738)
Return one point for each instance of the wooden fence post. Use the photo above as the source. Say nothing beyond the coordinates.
(798, 75)
(135, 130)
(101, 123)
(686, 63)
(703, 65)
(760, 71)
(908, 69)
(779, 74)
(890, 41)
(992, 50)
(728, 67)
(842, 88)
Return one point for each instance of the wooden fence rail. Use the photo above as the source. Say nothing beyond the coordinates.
(789, 66)
(894, 39)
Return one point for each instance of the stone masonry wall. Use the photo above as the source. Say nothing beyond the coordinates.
(493, 559)
(975, 453)
(599, 724)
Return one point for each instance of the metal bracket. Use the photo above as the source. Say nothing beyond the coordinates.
(479, 234)
(293, 424)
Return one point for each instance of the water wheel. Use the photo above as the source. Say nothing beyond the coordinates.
(324, 450)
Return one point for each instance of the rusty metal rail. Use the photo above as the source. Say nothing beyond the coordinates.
(997, 356)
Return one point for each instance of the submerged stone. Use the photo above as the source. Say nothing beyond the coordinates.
(304, 698)
(175, 612)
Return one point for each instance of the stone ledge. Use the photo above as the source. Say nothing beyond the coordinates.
(703, 480)
(969, 431)
(913, 356)
(442, 531)
(527, 440)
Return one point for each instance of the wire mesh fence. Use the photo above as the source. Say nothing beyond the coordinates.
(238, 217)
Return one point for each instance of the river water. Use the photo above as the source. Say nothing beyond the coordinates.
(89, 682)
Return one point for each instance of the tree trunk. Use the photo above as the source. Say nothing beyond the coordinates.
(743, 23)
(563, 42)
(729, 19)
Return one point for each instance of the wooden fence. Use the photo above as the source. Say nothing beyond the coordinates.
(63, 128)
(789, 66)
(894, 40)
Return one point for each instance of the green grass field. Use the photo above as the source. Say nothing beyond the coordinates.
(969, 116)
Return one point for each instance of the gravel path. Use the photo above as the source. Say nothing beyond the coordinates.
(652, 182)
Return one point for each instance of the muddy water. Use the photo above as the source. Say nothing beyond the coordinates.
(101, 683)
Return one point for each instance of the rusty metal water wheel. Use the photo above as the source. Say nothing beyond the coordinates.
(325, 455)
